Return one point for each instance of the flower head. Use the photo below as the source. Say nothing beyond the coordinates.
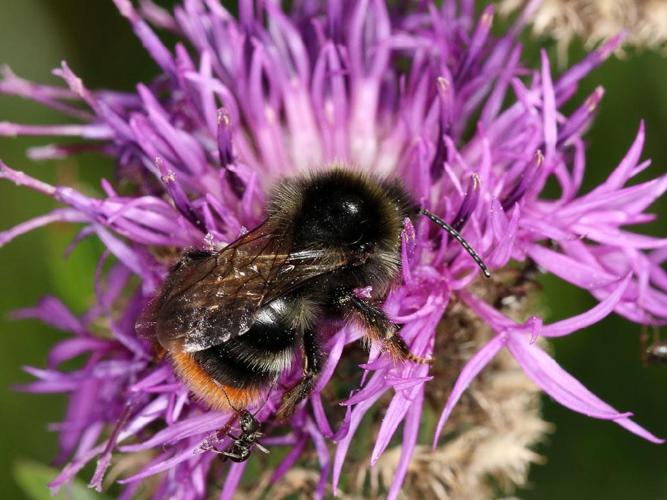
(596, 20)
(425, 94)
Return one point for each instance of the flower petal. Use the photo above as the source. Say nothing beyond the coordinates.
(472, 367)
(565, 389)
(590, 317)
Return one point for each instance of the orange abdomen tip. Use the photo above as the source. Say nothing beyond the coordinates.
(217, 396)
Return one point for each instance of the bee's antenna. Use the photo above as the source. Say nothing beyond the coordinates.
(457, 236)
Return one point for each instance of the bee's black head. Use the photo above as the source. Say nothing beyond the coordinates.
(336, 215)
(339, 208)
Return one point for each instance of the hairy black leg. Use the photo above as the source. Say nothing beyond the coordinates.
(380, 328)
(313, 361)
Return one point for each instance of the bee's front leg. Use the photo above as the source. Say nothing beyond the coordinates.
(380, 328)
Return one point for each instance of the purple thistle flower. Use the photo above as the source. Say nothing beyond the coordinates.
(417, 94)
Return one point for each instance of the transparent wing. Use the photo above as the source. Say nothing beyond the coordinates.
(211, 298)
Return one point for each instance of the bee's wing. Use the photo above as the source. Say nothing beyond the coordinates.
(213, 298)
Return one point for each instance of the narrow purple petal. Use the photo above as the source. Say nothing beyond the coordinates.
(570, 269)
(104, 461)
(192, 426)
(393, 417)
(590, 317)
(323, 457)
(472, 367)
(71, 348)
(548, 108)
(53, 312)
(344, 444)
(410, 435)
(232, 480)
(57, 215)
(289, 460)
(567, 390)
(148, 38)
(572, 76)
(178, 456)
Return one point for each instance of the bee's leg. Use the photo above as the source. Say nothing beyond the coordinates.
(380, 328)
(313, 361)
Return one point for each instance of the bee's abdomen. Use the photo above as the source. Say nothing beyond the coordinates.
(215, 394)
(255, 358)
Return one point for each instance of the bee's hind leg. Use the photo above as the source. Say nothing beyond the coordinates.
(313, 361)
(380, 328)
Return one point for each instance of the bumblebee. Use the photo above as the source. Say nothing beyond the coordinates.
(232, 321)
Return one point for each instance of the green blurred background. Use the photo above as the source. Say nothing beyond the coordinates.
(586, 458)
